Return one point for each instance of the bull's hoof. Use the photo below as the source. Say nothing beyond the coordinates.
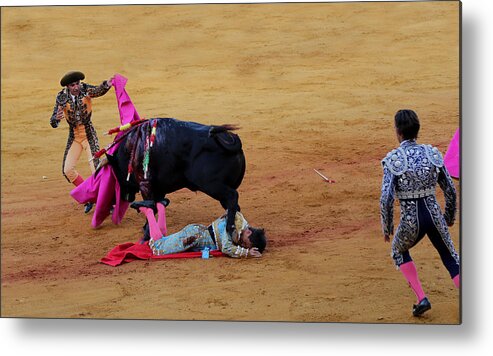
(143, 241)
(164, 202)
(144, 204)
(230, 229)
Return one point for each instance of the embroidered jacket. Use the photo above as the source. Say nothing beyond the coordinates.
(78, 111)
(226, 244)
(410, 172)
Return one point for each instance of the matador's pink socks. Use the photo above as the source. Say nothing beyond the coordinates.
(154, 229)
(161, 218)
(456, 280)
(409, 271)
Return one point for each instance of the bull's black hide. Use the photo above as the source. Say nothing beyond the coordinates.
(189, 155)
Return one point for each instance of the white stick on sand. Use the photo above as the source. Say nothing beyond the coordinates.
(324, 177)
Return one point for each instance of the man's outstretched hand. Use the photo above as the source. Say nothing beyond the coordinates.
(110, 81)
(253, 252)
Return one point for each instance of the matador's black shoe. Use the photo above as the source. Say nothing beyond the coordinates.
(421, 307)
(88, 207)
(144, 204)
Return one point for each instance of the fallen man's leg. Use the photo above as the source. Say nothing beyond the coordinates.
(184, 240)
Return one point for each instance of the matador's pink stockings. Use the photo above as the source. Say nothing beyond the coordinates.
(154, 229)
(409, 271)
(456, 280)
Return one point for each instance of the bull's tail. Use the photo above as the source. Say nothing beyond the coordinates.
(225, 138)
(214, 130)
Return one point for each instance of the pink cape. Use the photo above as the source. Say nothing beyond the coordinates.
(103, 189)
(130, 251)
(126, 108)
(452, 156)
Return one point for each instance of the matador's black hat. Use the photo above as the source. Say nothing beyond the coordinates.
(71, 77)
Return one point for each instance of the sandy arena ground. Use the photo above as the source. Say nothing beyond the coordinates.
(312, 86)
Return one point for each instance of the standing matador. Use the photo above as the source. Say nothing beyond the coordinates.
(411, 173)
(74, 104)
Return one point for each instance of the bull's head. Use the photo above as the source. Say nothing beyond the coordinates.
(128, 188)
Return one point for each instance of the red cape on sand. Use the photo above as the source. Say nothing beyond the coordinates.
(130, 251)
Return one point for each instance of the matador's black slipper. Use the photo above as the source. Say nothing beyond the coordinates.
(421, 307)
(144, 204)
(88, 207)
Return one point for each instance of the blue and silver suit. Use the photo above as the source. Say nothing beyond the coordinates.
(411, 173)
(213, 236)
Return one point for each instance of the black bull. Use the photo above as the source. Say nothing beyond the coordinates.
(184, 154)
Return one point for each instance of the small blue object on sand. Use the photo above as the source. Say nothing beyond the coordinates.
(205, 253)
